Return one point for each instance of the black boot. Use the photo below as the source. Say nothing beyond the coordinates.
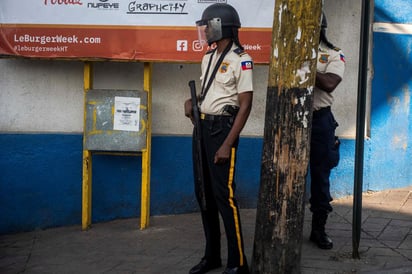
(318, 234)
(237, 270)
(205, 265)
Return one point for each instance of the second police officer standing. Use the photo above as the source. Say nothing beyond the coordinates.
(324, 147)
(225, 102)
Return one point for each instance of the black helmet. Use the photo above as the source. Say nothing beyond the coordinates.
(227, 14)
(222, 21)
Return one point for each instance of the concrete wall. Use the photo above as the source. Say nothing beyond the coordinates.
(41, 105)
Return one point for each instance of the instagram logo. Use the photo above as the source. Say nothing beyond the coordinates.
(181, 45)
(197, 45)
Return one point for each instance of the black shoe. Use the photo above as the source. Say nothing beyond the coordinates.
(321, 239)
(205, 266)
(237, 270)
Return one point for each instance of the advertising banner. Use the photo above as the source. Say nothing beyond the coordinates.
(141, 30)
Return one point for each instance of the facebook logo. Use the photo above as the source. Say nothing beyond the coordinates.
(181, 45)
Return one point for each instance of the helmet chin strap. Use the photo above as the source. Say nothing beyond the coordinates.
(236, 40)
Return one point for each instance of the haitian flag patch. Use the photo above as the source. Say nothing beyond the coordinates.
(247, 65)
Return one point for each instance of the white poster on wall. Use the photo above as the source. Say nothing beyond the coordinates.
(126, 113)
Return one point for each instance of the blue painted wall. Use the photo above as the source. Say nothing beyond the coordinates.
(389, 149)
(41, 180)
(393, 11)
(391, 121)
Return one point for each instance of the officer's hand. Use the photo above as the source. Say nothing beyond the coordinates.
(222, 154)
(188, 109)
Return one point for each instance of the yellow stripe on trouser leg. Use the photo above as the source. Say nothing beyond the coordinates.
(235, 213)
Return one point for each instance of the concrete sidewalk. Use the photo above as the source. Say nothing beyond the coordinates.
(173, 244)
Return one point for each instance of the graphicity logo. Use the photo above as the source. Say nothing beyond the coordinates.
(181, 45)
(177, 7)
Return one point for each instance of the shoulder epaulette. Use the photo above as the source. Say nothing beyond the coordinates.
(239, 51)
(336, 49)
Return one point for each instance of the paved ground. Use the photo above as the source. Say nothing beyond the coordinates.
(172, 244)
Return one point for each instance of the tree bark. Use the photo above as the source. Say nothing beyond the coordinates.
(288, 121)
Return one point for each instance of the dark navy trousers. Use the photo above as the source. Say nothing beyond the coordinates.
(220, 194)
(324, 155)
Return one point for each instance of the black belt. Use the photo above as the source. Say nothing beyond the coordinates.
(321, 111)
(210, 117)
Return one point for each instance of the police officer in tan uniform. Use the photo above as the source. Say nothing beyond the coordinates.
(225, 102)
(324, 151)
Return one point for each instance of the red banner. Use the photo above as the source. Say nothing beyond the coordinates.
(119, 42)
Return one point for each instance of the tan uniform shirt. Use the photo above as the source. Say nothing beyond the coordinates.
(329, 61)
(234, 76)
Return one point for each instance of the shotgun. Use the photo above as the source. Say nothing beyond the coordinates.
(197, 149)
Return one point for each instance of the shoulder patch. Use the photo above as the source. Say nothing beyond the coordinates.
(324, 58)
(223, 67)
(239, 51)
(247, 65)
(342, 57)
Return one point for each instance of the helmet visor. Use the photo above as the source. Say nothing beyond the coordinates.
(209, 30)
(201, 34)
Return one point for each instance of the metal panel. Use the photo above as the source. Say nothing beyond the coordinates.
(99, 132)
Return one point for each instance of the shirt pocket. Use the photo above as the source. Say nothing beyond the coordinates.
(225, 79)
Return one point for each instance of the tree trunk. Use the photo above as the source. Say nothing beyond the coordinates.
(288, 121)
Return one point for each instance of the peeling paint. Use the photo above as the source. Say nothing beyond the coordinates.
(302, 72)
(302, 100)
(276, 52)
(407, 96)
(304, 118)
(314, 53)
(400, 105)
(280, 16)
(400, 141)
(298, 35)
